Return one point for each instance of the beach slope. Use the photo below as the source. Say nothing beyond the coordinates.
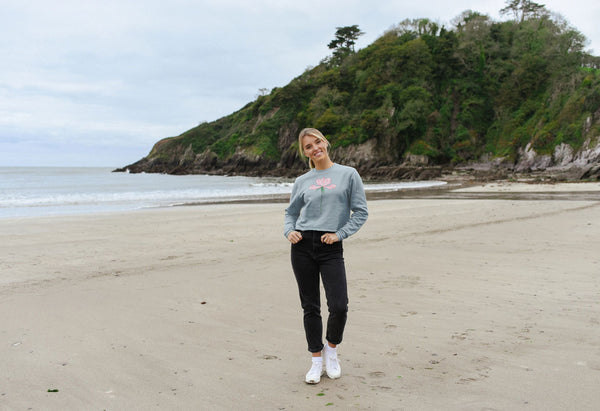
(454, 305)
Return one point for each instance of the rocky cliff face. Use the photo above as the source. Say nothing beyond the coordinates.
(565, 164)
(374, 159)
(169, 157)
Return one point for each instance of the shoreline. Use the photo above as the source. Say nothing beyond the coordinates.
(453, 189)
(89, 201)
(501, 190)
(91, 195)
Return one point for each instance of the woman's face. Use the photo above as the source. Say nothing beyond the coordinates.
(314, 148)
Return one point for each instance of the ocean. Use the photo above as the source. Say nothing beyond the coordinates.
(49, 191)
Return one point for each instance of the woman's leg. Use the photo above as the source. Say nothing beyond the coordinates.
(333, 274)
(306, 270)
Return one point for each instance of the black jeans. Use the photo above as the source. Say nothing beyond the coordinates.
(311, 257)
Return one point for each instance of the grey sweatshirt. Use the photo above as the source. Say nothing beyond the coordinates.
(331, 200)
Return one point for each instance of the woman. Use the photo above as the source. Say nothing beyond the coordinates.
(327, 205)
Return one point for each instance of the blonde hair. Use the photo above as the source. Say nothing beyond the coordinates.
(313, 132)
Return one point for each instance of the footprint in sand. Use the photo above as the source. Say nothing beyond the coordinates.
(394, 351)
(377, 374)
(409, 281)
(592, 365)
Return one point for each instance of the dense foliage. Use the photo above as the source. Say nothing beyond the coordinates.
(482, 88)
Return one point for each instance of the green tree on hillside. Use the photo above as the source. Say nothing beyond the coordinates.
(345, 38)
(523, 9)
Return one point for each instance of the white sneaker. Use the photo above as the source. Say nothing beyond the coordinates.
(332, 365)
(313, 376)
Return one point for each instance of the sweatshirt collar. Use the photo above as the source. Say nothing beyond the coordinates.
(326, 170)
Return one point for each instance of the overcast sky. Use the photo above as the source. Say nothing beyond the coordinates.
(98, 82)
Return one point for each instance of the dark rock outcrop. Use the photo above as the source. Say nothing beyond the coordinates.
(565, 163)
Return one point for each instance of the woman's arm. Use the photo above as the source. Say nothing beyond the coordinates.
(292, 212)
(358, 208)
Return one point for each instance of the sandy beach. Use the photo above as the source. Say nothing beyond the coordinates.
(455, 304)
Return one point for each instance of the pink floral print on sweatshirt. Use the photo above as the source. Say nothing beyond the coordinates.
(322, 184)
